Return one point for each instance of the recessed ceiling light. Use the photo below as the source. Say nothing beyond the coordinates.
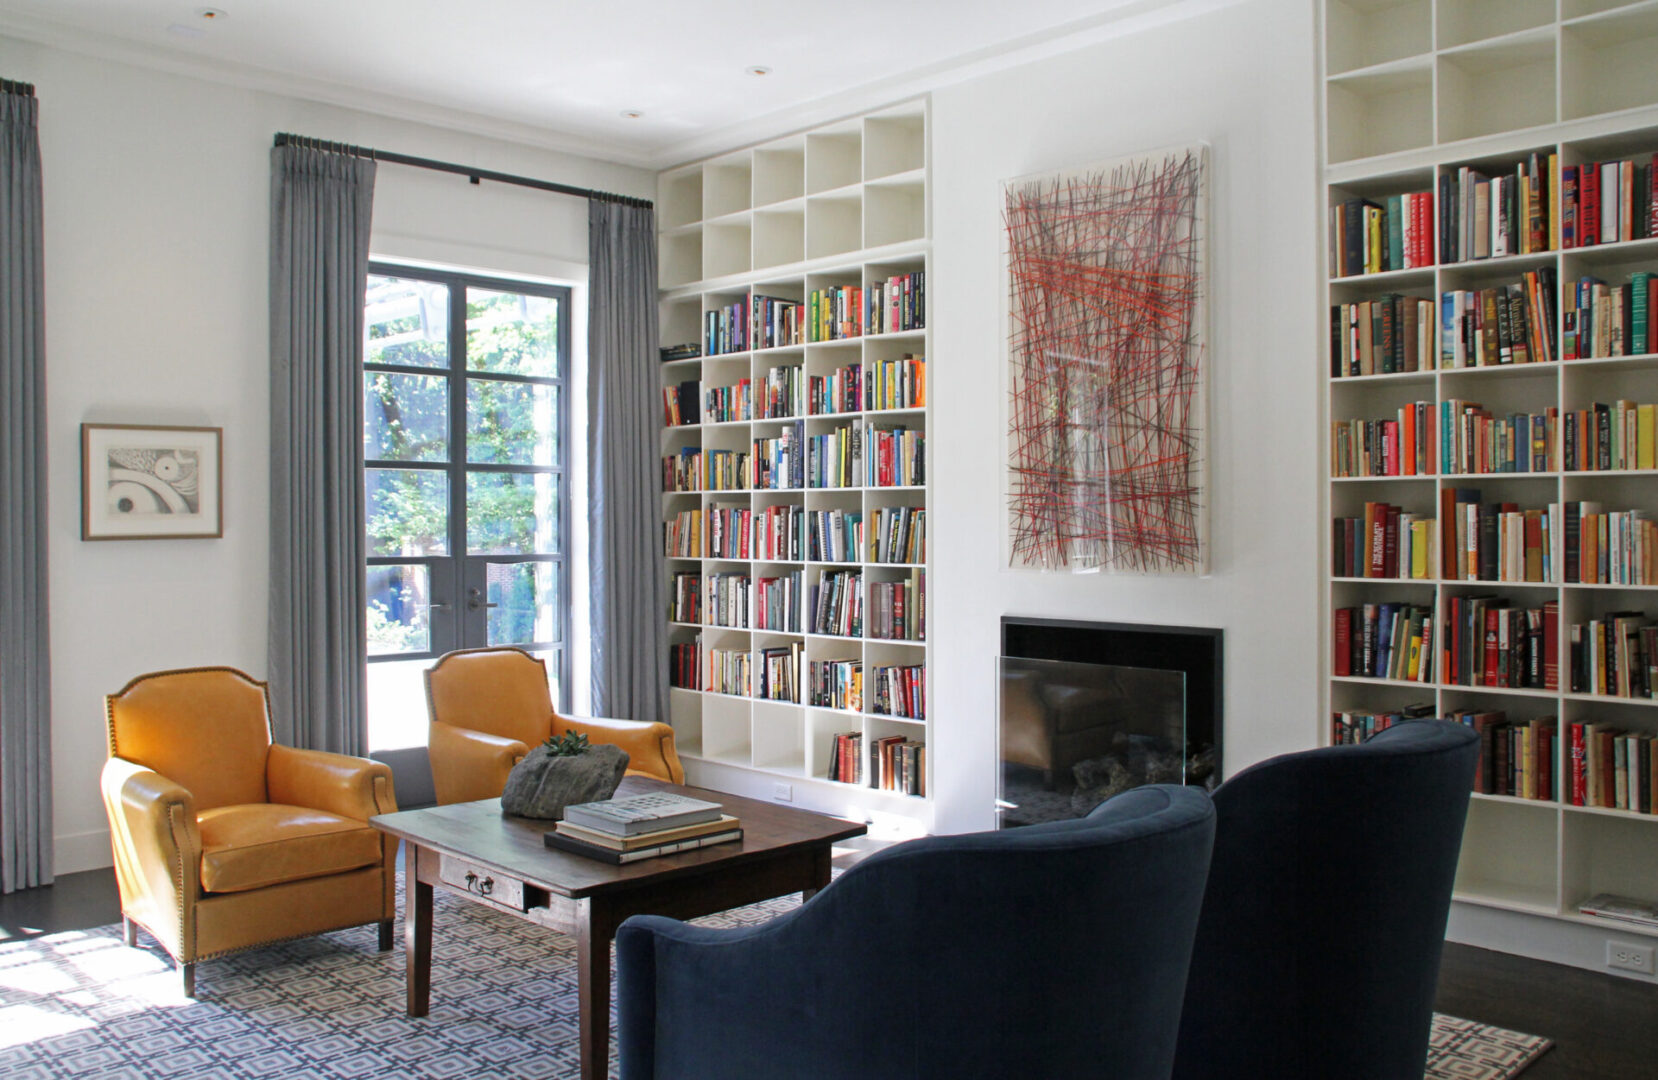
(757, 69)
(631, 114)
(211, 14)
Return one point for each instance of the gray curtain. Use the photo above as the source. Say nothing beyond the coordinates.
(628, 578)
(25, 673)
(321, 204)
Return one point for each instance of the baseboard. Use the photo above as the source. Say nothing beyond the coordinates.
(1541, 938)
(74, 852)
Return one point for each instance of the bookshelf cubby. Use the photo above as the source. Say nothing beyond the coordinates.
(839, 207)
(1416, 91)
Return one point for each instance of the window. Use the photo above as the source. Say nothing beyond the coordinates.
(465, 433)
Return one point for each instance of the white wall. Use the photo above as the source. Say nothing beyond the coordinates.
(157, 222)
(1241, 79)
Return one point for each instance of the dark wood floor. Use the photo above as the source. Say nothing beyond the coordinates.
(1604, 1027)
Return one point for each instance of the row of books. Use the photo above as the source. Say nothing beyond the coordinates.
(1474, 440)
(900, 535)
(1372, 237)
(898, 609)
(1622, 435)
(724, 404)
(1604, 320)
(679, 404)
(900, 691)
(840, 391)
(897, 458)
(894, 763)
(682, 470)
(685, 350)
(777, 321)
(780, 533)
(777, 602)
(725, 330)
(685, 664)
(685, 598)
(1349, 728)
(779, 461)
(1612, 768)
(682, 535)
(896, 304)
(730, 671)
(780, 674)
(729, 596)
(1382, 336)
(781, 395)
(898, 384)
(835, 460)
(1487, 216)
(1507, 324)
(1616, 548)
(1405, 444)
(1478, 641)
(836, 684)
(729, 529)
(1609, 202)
(838, 604)
(1387, 542)
(637, 827)
(835, 313)
(1517, 758)
(1499, 541)
(1615, 655)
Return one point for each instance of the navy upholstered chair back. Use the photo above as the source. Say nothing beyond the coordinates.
(1054, 950)
(1324, 916)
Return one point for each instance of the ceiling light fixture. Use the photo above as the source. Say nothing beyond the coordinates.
(632, 114)
(757, 69)
(211, 14)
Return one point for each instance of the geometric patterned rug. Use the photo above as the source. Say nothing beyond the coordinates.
(81, 1005)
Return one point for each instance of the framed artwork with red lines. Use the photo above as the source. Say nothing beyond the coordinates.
(1107, 293)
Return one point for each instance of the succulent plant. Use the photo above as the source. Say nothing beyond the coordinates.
(567, 745)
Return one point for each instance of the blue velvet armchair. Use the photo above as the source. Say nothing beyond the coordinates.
(1053, 950)
(1324, 915)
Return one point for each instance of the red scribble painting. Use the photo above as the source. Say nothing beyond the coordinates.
(1105, 337)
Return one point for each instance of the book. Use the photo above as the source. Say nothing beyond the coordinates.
(621, 858)
(636, 814)
(723, 823)
(1622, 908)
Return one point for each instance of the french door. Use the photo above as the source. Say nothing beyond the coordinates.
(465, 432)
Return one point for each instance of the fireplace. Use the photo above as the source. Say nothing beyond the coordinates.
(1088, 709)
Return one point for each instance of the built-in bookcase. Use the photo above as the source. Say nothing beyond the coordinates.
(1414, 93)
(841, 207)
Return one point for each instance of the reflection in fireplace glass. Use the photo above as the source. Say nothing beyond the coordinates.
(1073, 735)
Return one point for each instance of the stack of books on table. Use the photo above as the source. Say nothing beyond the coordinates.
(642, 827)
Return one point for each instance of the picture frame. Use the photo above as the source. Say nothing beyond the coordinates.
(151, 482)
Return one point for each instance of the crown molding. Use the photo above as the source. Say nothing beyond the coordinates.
(321, 91)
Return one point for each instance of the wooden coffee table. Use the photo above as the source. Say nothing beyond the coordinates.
(474, 851)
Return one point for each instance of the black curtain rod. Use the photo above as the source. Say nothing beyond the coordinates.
(11, 86)
(473, 174)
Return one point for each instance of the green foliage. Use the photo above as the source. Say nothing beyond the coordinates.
(567, 745)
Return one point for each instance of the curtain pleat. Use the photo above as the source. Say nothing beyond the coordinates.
(321, 208)
(629, 650)
(25, 669)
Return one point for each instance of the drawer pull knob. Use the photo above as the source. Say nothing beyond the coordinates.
(483, 887)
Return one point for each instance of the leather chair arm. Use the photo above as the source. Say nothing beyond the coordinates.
(351, 787)
(649, 745)
(157, 848)
(468, 765)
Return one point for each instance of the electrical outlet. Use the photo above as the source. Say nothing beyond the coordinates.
(1630, 956)
(785, 793)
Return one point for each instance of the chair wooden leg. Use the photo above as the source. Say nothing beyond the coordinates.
(187, 978)
(129, 932)
(386, 934)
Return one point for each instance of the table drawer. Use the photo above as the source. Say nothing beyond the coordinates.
(491, 885)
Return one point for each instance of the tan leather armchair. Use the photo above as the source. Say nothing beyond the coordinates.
(489, 706)
(225, 842)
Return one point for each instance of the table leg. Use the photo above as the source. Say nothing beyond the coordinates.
(822, 871)
(594, 932)
(417, 932)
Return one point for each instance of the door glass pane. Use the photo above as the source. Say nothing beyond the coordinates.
(397, 704)
(511, 334)
(525, 596)
(511, 423)
(512, 513)
(406, 322)
(408, 512)
(405, 417)
(397, 615)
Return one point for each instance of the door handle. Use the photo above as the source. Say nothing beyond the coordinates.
(475, 600)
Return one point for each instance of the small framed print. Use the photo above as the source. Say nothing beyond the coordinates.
(140, 482)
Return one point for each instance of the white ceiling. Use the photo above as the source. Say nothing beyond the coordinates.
(559, 72)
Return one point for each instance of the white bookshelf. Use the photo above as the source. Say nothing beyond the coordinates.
(844, 204)
(1413, 91)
